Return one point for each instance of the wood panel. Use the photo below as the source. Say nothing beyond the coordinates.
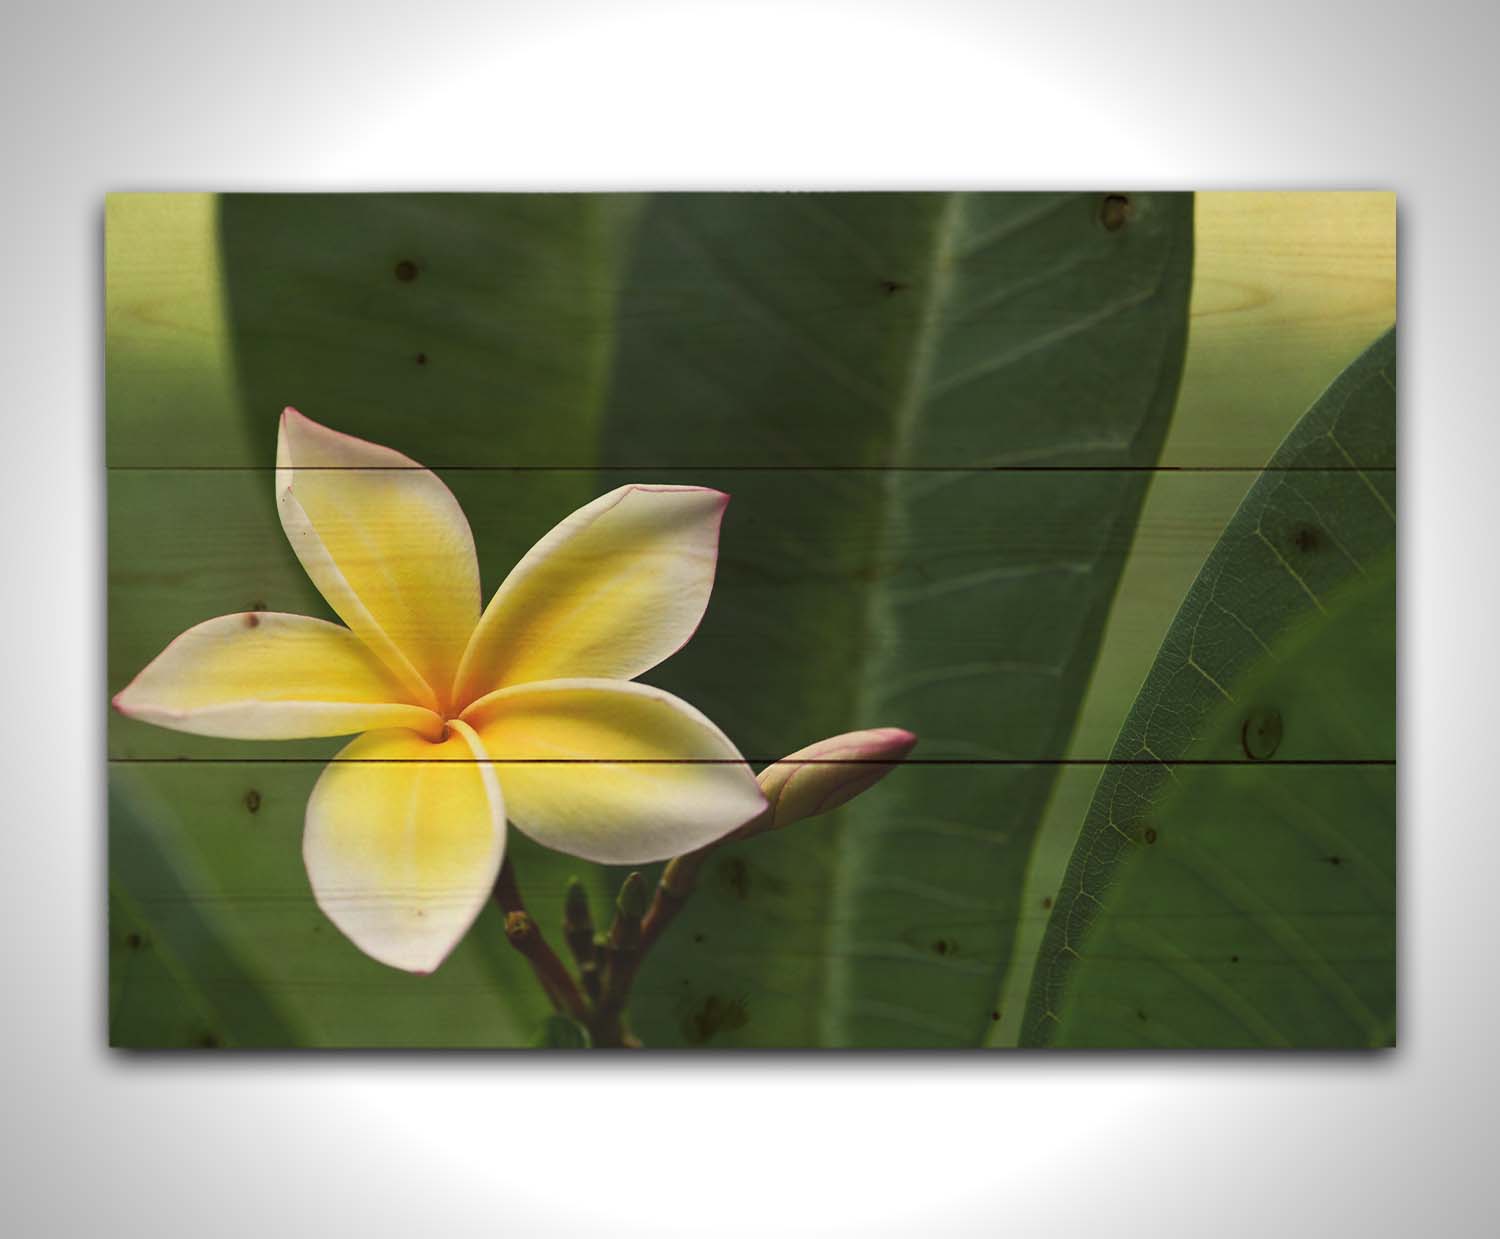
(1287, 288)
(753, 952)
(193, 544)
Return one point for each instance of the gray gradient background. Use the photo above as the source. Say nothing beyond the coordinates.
(565, 94)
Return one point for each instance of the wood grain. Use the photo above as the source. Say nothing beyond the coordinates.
(1287, 286)
(207, 543)
(1287, 289)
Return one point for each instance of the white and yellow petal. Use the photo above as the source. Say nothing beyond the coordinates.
(262, 675)
(387, 544)
(403, 843)
(617, 587)
(614, 772)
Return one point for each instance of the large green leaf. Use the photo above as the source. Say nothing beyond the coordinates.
(173, 981)
(1234, 881)
(470, 328)
(921, 405)
(956, 376)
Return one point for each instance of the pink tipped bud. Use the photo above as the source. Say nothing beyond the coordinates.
(821, 777)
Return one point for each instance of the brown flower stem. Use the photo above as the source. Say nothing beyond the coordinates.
(622, 958)
(507, 893)
(678, 881)
(578, 931)
(523, 933)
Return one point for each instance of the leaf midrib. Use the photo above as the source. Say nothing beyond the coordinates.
(938, 292)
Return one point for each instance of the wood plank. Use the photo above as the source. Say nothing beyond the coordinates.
(869, 937)
(169, 374)
(187, 545)
(754, 935)
(1287, 287)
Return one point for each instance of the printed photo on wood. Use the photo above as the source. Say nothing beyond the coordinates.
(752, 620)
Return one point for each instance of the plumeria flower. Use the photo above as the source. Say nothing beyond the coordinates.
(526, 711)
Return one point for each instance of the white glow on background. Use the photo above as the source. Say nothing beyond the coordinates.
(560, 94)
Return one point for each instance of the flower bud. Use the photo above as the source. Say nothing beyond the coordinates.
(825, 775)
(633, 898)
(576, 914)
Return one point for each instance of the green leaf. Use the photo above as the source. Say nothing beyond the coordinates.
(471, 329)
(1251, 900)
(891, 349)
(173, 980)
